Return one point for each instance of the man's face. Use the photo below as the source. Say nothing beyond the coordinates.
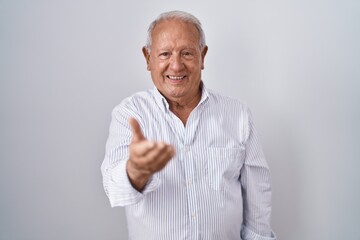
(176, 60)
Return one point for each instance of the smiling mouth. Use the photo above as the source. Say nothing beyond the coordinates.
(175, 77)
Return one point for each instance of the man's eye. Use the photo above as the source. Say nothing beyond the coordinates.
(187, 54)
(164, 55)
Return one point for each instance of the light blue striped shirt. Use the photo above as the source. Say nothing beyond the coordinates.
(217, 186)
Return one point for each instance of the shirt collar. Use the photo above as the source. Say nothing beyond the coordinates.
(164, 105)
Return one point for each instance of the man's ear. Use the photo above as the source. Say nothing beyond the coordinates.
(147, 57)
(203, 54)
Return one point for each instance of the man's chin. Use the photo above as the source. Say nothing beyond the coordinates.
(175, 94)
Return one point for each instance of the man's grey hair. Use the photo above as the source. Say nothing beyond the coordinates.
(178, 15)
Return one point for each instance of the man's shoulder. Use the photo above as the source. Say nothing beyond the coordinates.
(136, 100)
(221, 99)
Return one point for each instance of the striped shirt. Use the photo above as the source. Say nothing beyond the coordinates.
(217, 186)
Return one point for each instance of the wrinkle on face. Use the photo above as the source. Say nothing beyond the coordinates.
(176, 60)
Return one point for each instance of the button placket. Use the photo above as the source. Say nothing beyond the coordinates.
(190, 189)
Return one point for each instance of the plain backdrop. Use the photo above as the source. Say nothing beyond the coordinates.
(64, 65)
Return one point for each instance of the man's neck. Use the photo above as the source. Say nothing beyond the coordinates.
(182, 108)
(182, 104)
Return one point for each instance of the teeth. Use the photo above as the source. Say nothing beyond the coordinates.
(175, 78)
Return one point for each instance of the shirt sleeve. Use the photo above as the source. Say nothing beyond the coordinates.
(116, 183)
(256, 189)
(247, 234)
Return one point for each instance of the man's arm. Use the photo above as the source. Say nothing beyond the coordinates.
(130, 160)
(146, 157)
(256, 188)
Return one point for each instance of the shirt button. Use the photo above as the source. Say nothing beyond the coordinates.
(193, 215)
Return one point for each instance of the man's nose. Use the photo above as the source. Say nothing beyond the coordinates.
(176, 63)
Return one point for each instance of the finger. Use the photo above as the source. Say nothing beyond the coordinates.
(169, 153)
(168, 150)
(153, 153)
(136, 130)
(165, 156)
(159, 156)
(142, 148)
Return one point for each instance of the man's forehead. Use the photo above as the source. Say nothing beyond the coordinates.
(163, 43)
(172, 24)
(175, 29)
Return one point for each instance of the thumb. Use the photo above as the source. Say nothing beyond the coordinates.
(137, 135)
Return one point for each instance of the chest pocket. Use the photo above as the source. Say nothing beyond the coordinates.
(223, 166)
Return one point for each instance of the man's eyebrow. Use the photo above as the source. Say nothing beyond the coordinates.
(181, 48)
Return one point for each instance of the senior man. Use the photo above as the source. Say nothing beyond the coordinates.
(183, 160)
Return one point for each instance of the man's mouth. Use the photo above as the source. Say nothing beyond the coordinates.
(175, 77)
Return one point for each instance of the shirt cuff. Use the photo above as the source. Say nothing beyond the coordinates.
(122, 193)
(247, 234)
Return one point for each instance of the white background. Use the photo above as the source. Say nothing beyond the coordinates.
(65, 64)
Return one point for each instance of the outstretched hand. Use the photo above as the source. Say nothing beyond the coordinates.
(146, 157)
